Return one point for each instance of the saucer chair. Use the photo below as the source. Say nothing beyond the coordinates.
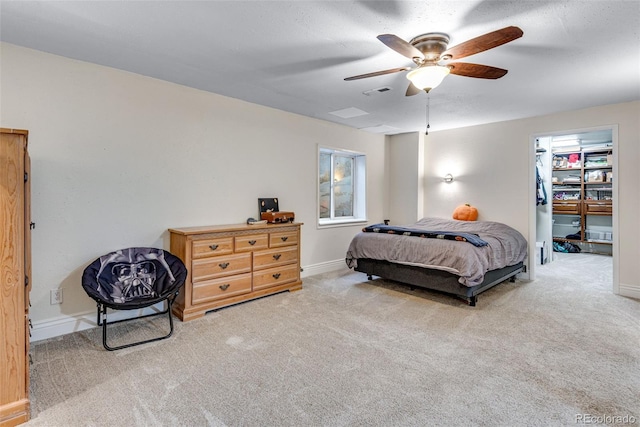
(131, 279)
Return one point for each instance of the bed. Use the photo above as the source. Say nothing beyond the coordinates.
(461, 258)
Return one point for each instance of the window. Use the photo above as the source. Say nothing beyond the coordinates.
(341, 187)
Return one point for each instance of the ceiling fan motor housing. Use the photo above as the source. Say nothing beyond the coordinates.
(432, 45)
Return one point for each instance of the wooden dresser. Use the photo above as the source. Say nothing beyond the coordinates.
(15, 272)
(229, 264)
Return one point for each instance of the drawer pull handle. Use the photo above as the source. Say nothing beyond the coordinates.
(284, 239)
(213, 247)
(224, 265)
(252, 242)
(225, 286)
(276, 276)
(277, 256)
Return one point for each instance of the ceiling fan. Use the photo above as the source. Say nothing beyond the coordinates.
(428, 50)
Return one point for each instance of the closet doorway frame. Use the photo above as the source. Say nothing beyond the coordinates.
(615, 286)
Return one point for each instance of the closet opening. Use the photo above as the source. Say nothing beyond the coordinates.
(575, 196)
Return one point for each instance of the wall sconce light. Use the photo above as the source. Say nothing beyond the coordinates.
(448, 178)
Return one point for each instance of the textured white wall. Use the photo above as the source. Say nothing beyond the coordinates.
(119, 158)
(405, 153)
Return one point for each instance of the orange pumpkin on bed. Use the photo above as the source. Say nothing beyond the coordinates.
(465, 212)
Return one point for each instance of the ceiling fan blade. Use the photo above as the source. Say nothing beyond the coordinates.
(378, 73)
(412, 90)
(482, 43)
(402, 47)
(476, 70)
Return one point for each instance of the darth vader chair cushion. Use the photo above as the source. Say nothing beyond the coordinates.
(131, 279)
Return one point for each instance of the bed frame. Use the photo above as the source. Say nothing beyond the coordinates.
(437, 280)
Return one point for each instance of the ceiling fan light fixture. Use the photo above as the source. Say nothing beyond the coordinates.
(429, 77)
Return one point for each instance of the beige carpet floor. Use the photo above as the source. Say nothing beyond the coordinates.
(345, 351)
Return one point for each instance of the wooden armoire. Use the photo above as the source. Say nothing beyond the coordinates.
(15, 273)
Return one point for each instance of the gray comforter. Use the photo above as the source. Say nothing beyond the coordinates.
(506, 247)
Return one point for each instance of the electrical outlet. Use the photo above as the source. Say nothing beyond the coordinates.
(56, 296)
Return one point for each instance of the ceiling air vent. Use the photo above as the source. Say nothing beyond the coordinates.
(376, 91)
(348, 113)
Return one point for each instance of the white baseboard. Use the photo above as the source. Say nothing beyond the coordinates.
(631, 291)
(324, 267)
(63, 325)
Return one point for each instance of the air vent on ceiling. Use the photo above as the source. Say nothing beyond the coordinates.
(388, 130)
(376, 91)
(348, 113)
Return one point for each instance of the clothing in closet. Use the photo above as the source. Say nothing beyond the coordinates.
(541, 192)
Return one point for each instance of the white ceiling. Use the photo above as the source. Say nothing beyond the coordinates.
(294, 55)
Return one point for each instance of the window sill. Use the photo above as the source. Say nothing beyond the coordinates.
(341, 222)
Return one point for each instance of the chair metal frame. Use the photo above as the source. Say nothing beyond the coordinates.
(102, 313)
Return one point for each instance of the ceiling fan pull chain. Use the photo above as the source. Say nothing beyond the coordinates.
(428, 125)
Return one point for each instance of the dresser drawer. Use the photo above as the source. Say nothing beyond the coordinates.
(275, 276)
(596, 207)
(275, 257)
(224, 287)
(564, 207)
(285, 238)
(212, 247)
(252, 242)
(209, 268)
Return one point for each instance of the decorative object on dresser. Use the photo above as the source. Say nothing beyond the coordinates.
(228, 264)
(132, 279)
(15, 274)
(277, 217)
(270, 211)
